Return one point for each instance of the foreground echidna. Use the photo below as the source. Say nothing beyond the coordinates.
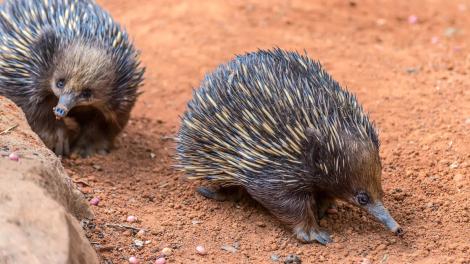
(71, 68)
(277, 125)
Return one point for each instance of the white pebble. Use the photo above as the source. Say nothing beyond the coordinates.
(160, 261)
(133, 260)
(201, 250)
(13, 156)
(167, 251)
(138, 243)
(141, 233)
(131, 219)
(381, 22)
(95, 201)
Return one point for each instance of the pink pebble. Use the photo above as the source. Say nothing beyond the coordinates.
(201, 250)
(13, 156)
(160, 261)
(133, 260)
(434, 40)
(332, 210)
(95, 201)
(131, 219)
(412, 19)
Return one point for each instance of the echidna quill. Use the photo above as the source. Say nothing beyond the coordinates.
(72, 70)
(277, 125)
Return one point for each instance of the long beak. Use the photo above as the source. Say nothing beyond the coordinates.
(381, 213)
(66, 102)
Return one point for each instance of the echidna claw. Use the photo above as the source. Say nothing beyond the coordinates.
(321, 237)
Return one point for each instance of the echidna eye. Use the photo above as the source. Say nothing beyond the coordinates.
(362, 198)
(60, 84)
(86, 93)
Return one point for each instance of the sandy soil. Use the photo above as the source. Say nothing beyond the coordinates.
(412, 78)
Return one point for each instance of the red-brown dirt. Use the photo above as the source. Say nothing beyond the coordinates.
(413, 78)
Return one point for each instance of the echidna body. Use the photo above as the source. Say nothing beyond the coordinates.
(71, 68)
(277, 125)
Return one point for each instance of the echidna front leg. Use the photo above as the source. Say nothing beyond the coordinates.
(58, 135)
(325, 204)
(92, 140)
(296, 210)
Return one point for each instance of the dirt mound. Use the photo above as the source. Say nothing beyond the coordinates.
(38, 200)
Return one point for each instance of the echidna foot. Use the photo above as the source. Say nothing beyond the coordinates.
(61, 146)
(312, 235)
(88, 149)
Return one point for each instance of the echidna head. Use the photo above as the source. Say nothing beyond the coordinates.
(351, 170)
(365, 188)
(82, 74)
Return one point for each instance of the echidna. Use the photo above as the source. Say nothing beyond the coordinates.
(277, 125)
(71, 68)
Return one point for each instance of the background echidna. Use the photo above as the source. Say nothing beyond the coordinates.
(277, 125)
(72, 70)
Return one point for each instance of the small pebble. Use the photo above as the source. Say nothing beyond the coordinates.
(381, 22)
(131, 219)
(454, 165)
(160, 261)
(138, 243)
(450, 31)
(229, 248)
(412, 19)
(365, 261)
(332, 210)
(434, 40)
(133, 260)
(141, 233)
(167, 251)
(411, 70)
(260, 224)
(274, 257)
(201, 250)
(13, 156)
(152, 155)
(462, 7)
(95, 201)
(293, 259)
(381, 247)
(196, 222)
